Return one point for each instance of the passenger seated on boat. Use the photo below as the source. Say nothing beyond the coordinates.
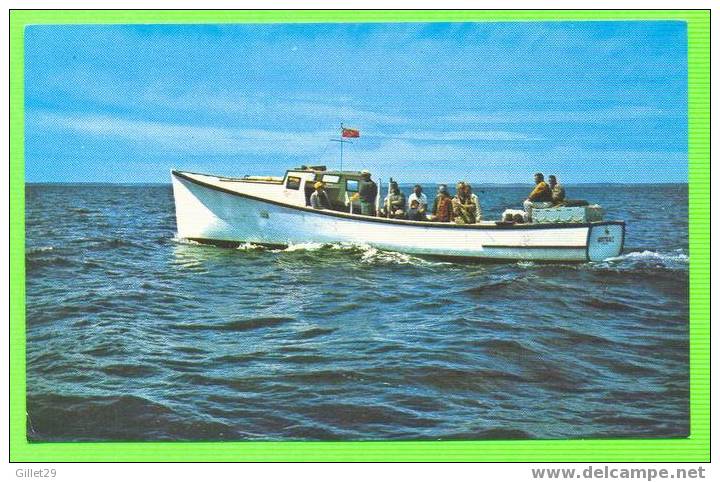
(557, 190)
(558, 195)
(540, 197)
(416, 212)
(476, 202)
(442, 211)
(319, 199)
(463, 206)
(420, 196)
(394, 205)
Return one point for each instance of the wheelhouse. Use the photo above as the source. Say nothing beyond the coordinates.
(339, 185)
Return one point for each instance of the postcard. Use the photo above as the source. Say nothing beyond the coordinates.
(352, 232)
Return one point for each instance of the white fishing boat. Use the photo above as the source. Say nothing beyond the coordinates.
(275, 211)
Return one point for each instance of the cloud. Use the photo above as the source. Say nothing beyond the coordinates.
(469, 135)
(617, 113)
(175, 98)
(417, 161)
(238, 103)
(353, 114)
(401, 152)
(417, 156)
(187, 139)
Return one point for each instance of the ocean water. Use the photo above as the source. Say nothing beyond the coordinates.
(135, 335)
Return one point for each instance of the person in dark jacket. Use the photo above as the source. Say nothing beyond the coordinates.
(367, 193)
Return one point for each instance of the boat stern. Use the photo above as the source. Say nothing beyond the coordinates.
(605, 240)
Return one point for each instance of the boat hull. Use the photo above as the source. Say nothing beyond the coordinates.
(210, 213)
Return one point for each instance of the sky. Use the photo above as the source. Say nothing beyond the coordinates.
(434, 102)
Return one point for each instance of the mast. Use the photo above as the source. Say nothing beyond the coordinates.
(341, 141)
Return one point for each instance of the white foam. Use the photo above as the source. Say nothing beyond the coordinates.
(40, 249)
(677, 256)
(374, 255)
(185, 241)
(249, 247)
(299, 247)
(676, 259)
(368, 254)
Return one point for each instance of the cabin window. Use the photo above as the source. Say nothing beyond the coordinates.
(351, 185)
(331, 178)
(293, 182)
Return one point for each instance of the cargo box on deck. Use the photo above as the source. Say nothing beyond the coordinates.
(580, 214)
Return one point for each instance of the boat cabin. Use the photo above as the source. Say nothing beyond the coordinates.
(339, 186)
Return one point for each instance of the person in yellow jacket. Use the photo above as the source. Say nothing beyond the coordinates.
(540, 197)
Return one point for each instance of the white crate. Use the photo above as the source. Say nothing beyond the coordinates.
(580, 214)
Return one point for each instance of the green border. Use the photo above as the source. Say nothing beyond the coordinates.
(695, 448)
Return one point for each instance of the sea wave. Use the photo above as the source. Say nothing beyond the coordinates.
(372, 255)
(310, 246)
(189, 242)
(169, 339)
(112, 243)
(672, 260)
(39, 249)
(250, 247)
(300, 247)
(368, 254)
(376, 256)
(630, 261)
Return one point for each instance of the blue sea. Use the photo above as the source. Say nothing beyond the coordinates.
(134, 335)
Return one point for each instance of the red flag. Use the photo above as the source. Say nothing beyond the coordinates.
(350, 132)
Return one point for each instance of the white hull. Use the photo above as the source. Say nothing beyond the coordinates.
(211, 210)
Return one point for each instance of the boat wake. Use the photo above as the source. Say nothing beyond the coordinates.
(676, 260)
(188, 242)
(645, 260)
(301, 247)
(368, 254)
(250, 247)
(373, 255)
